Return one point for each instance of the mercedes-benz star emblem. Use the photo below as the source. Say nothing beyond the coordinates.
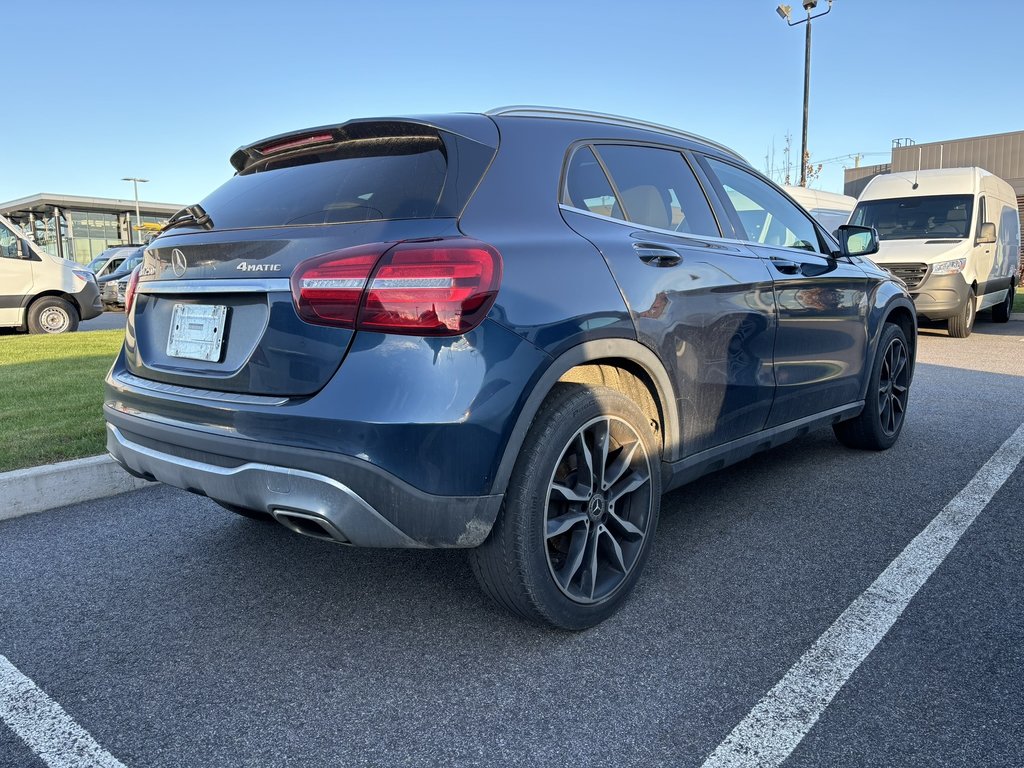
(178, 263)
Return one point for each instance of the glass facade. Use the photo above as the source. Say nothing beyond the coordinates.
(81, 233)
(89, 234)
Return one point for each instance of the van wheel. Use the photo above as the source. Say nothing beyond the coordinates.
(1001, 312)
(580, 513)
(51, 314)
(960, 327)
(252, 514)
(885, 407)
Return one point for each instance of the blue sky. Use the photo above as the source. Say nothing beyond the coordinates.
(203, 78)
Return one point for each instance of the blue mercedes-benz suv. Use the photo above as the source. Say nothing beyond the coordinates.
(510, 332)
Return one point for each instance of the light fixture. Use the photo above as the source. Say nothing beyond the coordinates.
(784, 11)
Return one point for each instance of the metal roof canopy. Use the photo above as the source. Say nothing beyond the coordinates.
(42, 202)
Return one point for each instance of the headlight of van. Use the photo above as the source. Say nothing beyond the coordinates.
(83, 274)
(953, 267)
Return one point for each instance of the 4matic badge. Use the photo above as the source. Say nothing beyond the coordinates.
(247, 267)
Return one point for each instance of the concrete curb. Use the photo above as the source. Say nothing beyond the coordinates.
(36, 489)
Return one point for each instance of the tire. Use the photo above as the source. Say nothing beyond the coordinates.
(52, 314)
(879, 425)
(552, 579)
(960, 327)
(1001, 312)
(252, 514)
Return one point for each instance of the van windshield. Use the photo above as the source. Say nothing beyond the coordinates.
(916, 218)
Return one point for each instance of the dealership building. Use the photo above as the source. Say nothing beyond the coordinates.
(1001, 154)
(79, 228)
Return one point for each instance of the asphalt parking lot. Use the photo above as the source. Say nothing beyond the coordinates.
(177, 634)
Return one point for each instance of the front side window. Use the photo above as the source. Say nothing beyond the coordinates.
(658, 189)
(8, 243)
(766, 216)
(916, 218)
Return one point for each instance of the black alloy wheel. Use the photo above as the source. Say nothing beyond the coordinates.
(881, 420)
(580, 513)
(893, 387)
(598, 509)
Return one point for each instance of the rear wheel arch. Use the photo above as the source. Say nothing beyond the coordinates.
(624, 365)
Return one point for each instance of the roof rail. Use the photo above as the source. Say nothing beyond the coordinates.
(601, 117)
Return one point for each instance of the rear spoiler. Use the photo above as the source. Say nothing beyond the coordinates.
(475, 127)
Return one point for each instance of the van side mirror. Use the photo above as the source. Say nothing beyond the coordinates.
(857, 241)
(987, 233)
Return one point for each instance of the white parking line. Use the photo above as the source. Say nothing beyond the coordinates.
(779, 722)
(42, 724)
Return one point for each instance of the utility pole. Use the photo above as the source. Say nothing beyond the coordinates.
(785, 12)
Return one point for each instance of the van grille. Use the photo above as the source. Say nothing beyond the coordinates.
(911, 274)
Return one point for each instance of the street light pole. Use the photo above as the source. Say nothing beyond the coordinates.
(135, 184)
(784, 11)
(807, 98)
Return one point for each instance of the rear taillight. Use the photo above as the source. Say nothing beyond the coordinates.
(129, 292)
(435, 288)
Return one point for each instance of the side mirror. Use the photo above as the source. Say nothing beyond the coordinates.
(987, 233)
(857, 241)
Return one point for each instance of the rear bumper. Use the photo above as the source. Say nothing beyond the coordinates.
(941, 297)
(327, 495)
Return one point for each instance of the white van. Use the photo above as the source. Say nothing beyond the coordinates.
(828, 209)
(39, 292)
(952, 235)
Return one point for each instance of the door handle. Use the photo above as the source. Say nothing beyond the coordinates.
(785, 266)
(657, 255)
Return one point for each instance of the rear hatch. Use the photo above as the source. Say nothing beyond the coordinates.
(214, 308)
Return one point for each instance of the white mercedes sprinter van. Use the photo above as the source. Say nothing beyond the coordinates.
(952, 235)
(39, 292)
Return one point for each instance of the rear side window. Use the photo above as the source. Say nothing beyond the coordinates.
(657, 189)
(368, 179)
(765, 214)
(587, 187)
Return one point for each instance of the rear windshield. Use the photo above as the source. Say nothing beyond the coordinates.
(357, 180)
(916, 218)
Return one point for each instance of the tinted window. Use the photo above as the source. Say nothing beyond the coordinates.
(765, 214)
(360, 180)
(916, 218)
(658, 189)
(586, 186)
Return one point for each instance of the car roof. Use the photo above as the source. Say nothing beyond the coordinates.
(603, 118)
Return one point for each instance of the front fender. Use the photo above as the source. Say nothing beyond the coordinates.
(889, 301)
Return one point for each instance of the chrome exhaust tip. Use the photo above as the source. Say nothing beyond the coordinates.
(309, 524)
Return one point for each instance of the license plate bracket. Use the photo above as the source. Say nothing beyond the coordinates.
(197, 331)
